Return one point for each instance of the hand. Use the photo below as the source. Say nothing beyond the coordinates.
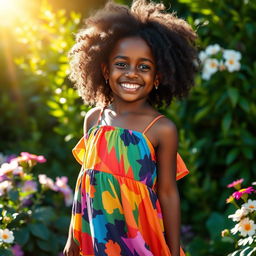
(71, 248)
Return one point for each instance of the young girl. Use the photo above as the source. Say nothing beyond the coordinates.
(128, 62)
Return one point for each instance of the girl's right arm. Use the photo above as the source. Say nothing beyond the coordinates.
(71, 248)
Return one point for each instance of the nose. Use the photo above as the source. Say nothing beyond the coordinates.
(131, 72)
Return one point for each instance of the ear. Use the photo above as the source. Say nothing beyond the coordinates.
(157, 79)
(105, 71)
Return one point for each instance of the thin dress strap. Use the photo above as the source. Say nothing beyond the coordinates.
(152, 122)
(101, 112)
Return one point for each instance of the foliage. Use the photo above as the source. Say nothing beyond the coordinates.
(217, 138)
(30, 207)
(47, 104)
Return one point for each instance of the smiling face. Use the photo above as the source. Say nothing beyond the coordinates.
(131, 70)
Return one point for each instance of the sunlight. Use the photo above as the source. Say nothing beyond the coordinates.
(6, 6)
(11, 11)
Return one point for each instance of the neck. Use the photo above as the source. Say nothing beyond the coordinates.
(121, 107)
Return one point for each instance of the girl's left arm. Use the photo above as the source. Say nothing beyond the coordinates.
(167, 191)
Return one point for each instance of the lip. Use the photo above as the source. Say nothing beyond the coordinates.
(130, 89)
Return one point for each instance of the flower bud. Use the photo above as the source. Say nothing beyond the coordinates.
(225, 232)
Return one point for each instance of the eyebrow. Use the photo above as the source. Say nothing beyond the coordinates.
(126, 58)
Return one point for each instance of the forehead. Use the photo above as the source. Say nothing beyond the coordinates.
(132, 47)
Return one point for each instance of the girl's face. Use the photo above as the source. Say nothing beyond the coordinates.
(131, 70)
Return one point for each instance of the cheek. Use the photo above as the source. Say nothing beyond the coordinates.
(114, 73)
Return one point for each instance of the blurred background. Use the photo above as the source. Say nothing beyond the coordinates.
(42, 114)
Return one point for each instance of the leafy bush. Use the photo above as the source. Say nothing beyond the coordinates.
(217, 131)
(31, 207)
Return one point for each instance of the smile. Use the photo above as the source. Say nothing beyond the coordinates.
(130, 87)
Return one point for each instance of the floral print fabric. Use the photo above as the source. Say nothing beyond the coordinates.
(116, 210)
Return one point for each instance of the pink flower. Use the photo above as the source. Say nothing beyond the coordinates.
(61, 183)
(16, 250)
(46, 182)
(238, 194)
(29, 186)
(39, 159)
(68, 196)
(235, 183)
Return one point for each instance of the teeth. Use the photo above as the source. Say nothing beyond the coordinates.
(130, 86)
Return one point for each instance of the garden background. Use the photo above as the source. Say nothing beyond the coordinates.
(42, 114)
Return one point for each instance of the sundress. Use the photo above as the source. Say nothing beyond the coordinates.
(116, 210)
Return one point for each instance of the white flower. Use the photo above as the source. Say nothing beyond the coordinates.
(250, 205)
(211, 65)
(6, 236)
(63, 100)
(231, 54)
(5, 186)
(254, 183)
(202, 56)
(8, 167)
(58, 91)
(232, 60)
(245, 241)
(206, 75)
(212, 49)
(247, 227)
(232, 65)
(235, 229)
(238, 214)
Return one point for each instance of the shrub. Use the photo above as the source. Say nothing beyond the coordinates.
(31, 208)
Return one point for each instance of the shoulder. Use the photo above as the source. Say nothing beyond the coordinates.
(167, 131)
(91, 118)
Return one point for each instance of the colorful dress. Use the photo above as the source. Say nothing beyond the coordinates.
(116, 210)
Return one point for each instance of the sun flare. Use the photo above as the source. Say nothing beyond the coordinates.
(11, 11)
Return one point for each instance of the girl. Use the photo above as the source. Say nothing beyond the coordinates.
(128, 62)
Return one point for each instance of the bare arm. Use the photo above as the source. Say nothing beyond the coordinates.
(71, 248)
(167, 188)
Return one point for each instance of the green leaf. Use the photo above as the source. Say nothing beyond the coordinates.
(44, 214)
(232, 154)
(57, 113)
(248, 152)
(21, 236)
(215, 224)
(5, 252)
(44, 245)
(13, 195)
(39, 230)
(198, 247)
(226, 122)
(244, 104)
(53, 105)
(51, 245)
(62, 223)
(233, 95)
(201, 113)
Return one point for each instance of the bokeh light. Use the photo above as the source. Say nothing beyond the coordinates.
(12, 11)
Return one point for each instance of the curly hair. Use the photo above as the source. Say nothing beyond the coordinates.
(171, 39)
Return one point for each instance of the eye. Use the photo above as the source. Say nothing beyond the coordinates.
(121, 65)
(144, 67)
